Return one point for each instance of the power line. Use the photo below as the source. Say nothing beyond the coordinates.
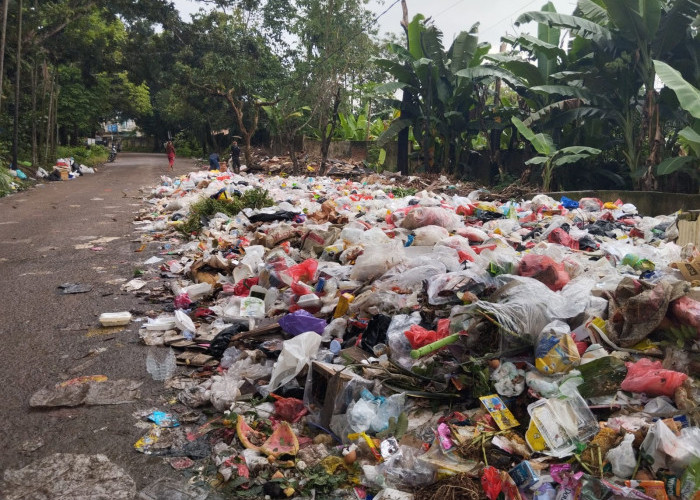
(509, 16)
(448, 8)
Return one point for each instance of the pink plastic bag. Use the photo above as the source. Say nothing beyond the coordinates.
(420, 337)
(430, 216)
(650, 378)
(687, 311)
(544, 269)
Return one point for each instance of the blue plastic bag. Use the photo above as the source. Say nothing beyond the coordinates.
(568, 203)
(21, 174)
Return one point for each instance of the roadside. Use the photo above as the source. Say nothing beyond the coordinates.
(77, 231)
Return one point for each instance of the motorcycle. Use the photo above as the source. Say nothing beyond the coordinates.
(112, 154)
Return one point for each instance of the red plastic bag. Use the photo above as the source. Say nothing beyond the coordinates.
(687, 311)
(562, 238)
(491, 482)
(651, 378)
(289, 409)
(544, 269)
(182, 301)
(242, 288)
(304, 271)
(420, 337)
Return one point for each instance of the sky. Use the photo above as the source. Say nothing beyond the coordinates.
(450, 16)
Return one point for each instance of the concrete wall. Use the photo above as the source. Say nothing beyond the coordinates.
(647, 202)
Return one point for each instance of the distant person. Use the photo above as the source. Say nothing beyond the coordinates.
(214, 161)
(235, 157)
(170, 151)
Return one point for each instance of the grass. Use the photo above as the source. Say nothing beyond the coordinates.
(206, 208)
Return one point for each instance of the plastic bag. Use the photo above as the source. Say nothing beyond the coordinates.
(544, 269)
(376, 260)
(442, 288)
(622, 458)
(668, 450)
(184, 322)
(410, 280)
(590, 204)
(651, 378)
(399, 346)
(430, 216)
(303, 272)
(429, 235)
(296, 353)
(419, 336)
(687, 311)
(302, 321)
(556, 351)
(508, 380)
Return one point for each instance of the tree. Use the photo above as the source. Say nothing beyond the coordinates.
(611, 64)
(552, 157)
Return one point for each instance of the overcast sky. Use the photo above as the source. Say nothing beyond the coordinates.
(451, 16)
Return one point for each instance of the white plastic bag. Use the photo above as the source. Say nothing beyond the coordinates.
(670, 451)
(296, 353)
(622, 458)
(376, 260)
(184, 322)
(429, 235)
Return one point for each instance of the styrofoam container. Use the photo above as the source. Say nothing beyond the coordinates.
(115, 319)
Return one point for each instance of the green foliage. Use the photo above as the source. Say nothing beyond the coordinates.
(400, 192)
(206, 208)
(90, 156)
(316, 478)
(186, 145)
(6, 180)
(551, 156)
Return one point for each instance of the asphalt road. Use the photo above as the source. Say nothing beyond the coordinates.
(48, 237)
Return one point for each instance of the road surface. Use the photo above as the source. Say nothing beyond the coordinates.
(50, 235)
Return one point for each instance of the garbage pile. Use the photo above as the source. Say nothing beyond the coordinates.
(64, 169)
(276, 165)
(354, 339)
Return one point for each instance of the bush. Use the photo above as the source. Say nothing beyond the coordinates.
(85, 155)
(202, 210)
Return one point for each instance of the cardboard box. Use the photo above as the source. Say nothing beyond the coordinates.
(689, 270)
(64, 175)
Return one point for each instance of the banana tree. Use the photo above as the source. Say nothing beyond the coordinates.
(689, 99)
(611, 54)
(551, 157)
(446, 89)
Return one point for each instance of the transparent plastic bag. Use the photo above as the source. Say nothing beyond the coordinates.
(443, 287)
(161, 369)
(399, 347)
(622, 458)
(430, 216)
(428, 236)
(376, 260)
(410, 280)
(296, 353)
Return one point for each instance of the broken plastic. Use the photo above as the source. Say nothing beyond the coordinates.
(161, 369)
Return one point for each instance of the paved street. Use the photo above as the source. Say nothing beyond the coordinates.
(49, 235)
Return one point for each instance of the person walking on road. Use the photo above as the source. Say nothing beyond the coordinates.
(235, 157)
(170, 151)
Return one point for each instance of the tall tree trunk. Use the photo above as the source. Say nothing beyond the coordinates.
(49, 123)
(35, 78)
(5, 4)
(328, 134)
(15, 134)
